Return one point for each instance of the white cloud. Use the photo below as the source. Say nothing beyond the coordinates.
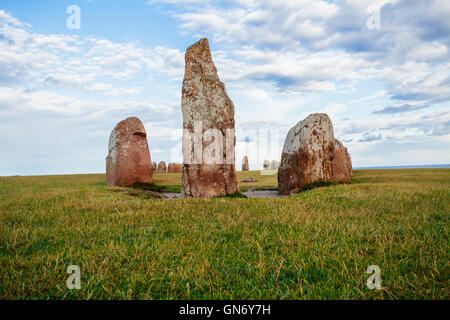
(280, 61)
(291, 40)
(428, 51)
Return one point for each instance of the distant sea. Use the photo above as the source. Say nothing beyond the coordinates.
(426, 166)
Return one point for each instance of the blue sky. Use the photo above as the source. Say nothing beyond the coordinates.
(386, 86)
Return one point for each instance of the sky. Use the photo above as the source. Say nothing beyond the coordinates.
(379, 69)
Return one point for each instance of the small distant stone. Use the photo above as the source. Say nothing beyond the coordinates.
(245, 166)
(162, 168)
(249, 180)
(274, 165)
(175, 168)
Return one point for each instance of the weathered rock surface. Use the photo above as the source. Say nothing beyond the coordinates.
(128, 161)
(205, 102)
(311, 154)
(266, 165)
(162, 167)
(154, 166)
(341, 165)
(245, 164)
(174, 168)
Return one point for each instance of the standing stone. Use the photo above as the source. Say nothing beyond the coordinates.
(162, 167)
(274, 165)
(209, 128)
(128, 161)
(311, 154)
(266, 165)
(342, 163)
(154, 166)
(174, 168)
(245, 164)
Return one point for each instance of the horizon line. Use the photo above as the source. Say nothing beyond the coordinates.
(418, 166)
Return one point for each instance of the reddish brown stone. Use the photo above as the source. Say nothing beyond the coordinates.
(311, 154)
(154, 166)
(205, 101)
(162, 167)
(128, 160)
(245, 164)
(174, 168)
(341, 165)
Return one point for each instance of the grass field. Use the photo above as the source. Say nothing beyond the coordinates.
(313, 245)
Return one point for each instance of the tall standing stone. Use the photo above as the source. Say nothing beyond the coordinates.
(245, 164)
(209, 128)
(312, 154)
(128, 161)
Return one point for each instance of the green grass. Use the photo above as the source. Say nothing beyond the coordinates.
(313, 245)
